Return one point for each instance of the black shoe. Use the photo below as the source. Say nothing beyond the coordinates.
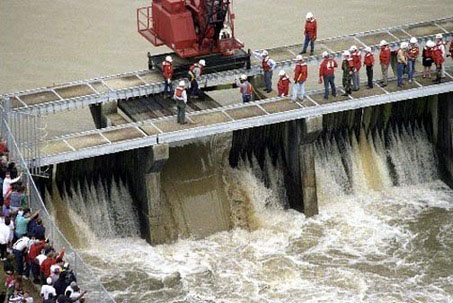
(303, 52)
(312, 53)
(327, 98)
(345, 94)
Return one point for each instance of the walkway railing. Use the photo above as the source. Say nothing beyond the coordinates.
(86, 279)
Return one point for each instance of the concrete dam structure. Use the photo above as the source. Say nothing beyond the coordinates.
(267, 183)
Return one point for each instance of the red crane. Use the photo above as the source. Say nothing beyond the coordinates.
(193, 29)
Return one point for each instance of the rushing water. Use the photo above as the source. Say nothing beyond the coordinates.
(384, 234)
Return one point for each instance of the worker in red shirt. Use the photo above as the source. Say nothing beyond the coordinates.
(310, 32)
(195, 72)
(412, 54)
(441, 45)
(348, 69)
(283, 84)
(427, 58)
(384, 58)
(368, 61)
(327, 74)
(300, 76)
(167, 73)
(356, 56)
(438, 58)
(180, 97)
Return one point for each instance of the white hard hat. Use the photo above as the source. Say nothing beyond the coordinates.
(325, 54)
(281, 73)
(413, 40)
(169, 59)
(404, 45)
(202, 62)
(264, 53)
(439, 36)
(383, 42)
(353, 48)
(299, 58)
(49, 280)
(309, 15)
(430, 43)
(181, 83)
(346, 53)
(243, 77)
(368, 49)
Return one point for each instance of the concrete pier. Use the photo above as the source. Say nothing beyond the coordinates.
(445, 136)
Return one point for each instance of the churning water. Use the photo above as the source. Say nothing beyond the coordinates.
(384, 234)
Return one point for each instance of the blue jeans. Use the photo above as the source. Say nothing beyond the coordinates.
(298, 91)
(329, 80)
(411, 69)
(312, 44)
(246, 98)
(356, 80)
(400, 72)
(268, 80)
(167, 87)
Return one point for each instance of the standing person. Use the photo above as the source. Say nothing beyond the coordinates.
(195, 72)
(245, 88)
(439, 60)
(6, 236)
(327, 74)
(310, 33)
(402, 62)
(368, 61)
(48, 289)
(167, 73)
(180, 96)
(19, 249)
(357, 59)
(412, 55)
(384, 58)
(348, 69)
(283, 84)
(268, 66)
(300, 76)
(441, 45)
(22, 220)
(8, 181)
(427, 58)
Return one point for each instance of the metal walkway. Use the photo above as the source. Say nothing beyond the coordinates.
(78, 94)
(226, 119)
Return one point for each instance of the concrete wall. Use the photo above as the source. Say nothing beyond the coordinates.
(444, 136)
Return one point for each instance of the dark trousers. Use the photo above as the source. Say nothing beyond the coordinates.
(347, 85)
(369, 74)
(194, 89)
(268, 80)
(19, 256)
(399, 72)
(167, 87)
(246, 98)
(181, 111)
(438, 72)
(312, 44)
(3, 250)
(329, 80)
(35, 270)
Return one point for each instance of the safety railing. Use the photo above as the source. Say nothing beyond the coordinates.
(86, 279)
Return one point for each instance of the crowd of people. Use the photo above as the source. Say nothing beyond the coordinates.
(24, 249)
(433, 53)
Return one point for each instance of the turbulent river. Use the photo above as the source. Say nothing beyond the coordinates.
(384, 233)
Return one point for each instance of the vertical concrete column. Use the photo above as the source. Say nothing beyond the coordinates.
(100, 111)
(155, 210)
(445, 136)
(311, 129)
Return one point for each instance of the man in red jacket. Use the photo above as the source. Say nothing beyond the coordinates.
(300, 76)
(167, 73)
(384, 58)
(283, 84)
(356, 56)
(438, 59)
(310, 32)
(327, 73)
(368, 61)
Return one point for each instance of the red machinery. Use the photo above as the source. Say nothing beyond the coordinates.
(191, 28)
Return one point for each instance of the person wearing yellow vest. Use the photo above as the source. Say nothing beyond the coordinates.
(268, 66)
(180, 97)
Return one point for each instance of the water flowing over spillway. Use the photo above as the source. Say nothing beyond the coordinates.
(384, 233)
